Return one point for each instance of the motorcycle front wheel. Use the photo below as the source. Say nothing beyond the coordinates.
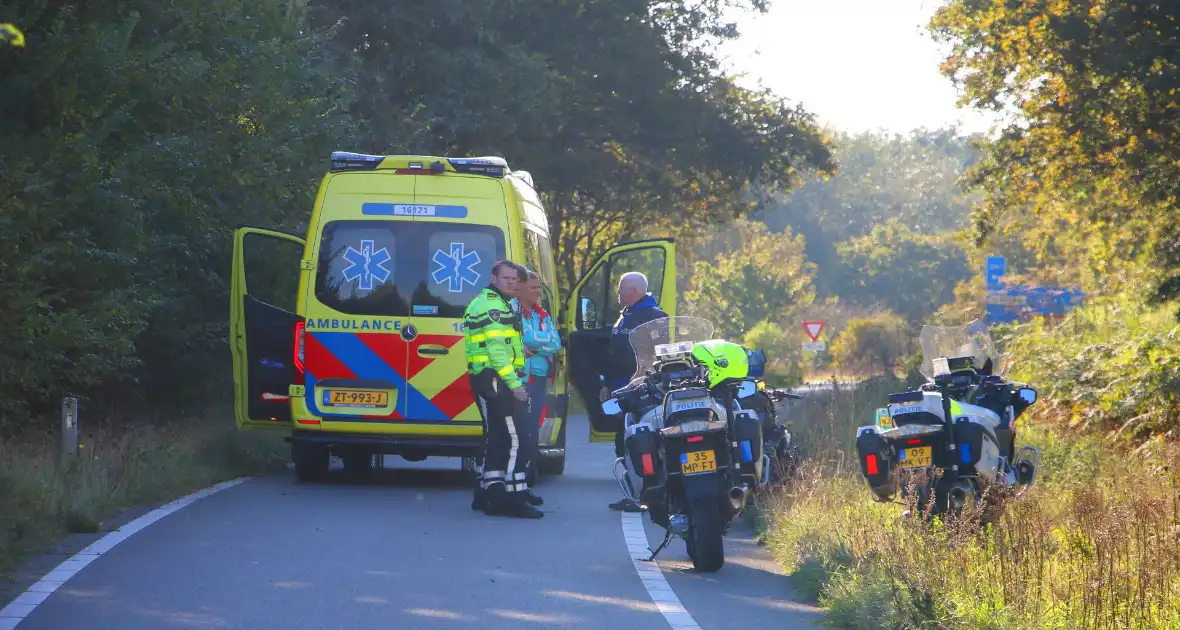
(705, 542)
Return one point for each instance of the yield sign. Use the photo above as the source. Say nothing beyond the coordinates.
(813, 329)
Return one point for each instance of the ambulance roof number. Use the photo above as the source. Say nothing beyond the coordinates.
(492, 165)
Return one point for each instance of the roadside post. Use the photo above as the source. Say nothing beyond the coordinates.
(69, 426)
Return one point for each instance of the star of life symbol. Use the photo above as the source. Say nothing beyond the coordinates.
(456, 268)
(366, 265)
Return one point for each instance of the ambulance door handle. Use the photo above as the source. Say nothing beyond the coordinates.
(432, 350)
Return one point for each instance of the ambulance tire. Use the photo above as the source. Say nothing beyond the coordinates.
(311, 462)
(468, 466)
(554, 465)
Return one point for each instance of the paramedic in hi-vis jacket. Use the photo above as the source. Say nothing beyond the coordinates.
(495, 365)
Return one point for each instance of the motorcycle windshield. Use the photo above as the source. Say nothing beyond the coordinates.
(957, 342)
(667, 335)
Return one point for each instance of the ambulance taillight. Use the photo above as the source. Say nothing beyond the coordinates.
(299, 335)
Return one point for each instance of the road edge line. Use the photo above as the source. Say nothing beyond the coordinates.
(18, 609)
(658, 589)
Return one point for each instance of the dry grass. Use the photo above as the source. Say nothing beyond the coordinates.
(43, 498)
(1095, 545)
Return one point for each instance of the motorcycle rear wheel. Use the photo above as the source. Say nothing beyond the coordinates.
(705, 542)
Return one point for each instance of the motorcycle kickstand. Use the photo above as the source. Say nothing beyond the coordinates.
(667, 539)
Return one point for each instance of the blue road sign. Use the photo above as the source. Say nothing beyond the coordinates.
(1014, 303)
(997, 267)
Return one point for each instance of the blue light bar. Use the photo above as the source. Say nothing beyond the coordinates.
(493, 166)
(965, 452)
(348, 161)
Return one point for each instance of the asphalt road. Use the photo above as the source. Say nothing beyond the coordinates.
(405, 551)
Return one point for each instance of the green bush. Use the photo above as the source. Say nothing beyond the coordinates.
(1094, 545)
(1112, 364)
(873, 345)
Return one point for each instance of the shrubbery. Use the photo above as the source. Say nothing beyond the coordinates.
(1093, 546)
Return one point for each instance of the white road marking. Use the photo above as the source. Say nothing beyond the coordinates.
(27, 602)
(658, 589)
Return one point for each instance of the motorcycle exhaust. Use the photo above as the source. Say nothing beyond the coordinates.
(737, 496)
(958, 495)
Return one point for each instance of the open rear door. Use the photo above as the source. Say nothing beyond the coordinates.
(265, 283)
(593, 308)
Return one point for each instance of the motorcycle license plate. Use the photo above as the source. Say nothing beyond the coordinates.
(916, 457)
(697, 462)
(355, 398)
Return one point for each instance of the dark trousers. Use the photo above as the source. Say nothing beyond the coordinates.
(538, 395)
(506, 457)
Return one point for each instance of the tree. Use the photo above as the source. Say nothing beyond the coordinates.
(756, 276)
(1088, 154)
(783, 354)
(132, 143)
(909, 273)
(910, 178)
(873, 345)
(619, 110)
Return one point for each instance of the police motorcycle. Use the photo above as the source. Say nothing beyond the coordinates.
(955, 435)
(778, 443)
(690, 448)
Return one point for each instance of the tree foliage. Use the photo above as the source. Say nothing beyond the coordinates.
(910, 180)
(618, 109)
(875, 345)
(904, 271)
(754, 276)
(140, 133)
(1087, 171)
(128, 156)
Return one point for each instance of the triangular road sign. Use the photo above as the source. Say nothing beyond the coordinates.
(813, 329)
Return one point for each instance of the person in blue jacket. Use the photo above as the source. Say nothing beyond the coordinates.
(639, 307)
(541, 343)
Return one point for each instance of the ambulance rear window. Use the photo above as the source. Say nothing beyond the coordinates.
(403, 268)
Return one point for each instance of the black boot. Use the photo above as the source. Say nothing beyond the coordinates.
(514, 504)
(626, 505)
(533, 499)
(479, 499)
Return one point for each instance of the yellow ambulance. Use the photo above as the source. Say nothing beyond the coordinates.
(349, 337)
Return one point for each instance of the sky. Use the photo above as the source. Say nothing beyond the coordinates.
(858, 65)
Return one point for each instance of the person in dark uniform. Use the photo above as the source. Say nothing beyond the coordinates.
(495, 365)
(639, 307)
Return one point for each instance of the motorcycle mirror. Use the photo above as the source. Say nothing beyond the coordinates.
(1028, 395)
(611, 407)
(747, 389)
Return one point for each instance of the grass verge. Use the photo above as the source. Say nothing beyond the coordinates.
(43, 497)
(1095, 545)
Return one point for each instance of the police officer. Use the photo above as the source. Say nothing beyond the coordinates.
(495, 365)
(639, 307)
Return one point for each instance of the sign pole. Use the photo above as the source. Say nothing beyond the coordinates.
(815, 346)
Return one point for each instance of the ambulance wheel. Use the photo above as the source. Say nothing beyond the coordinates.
(468, 467)
(311, 462)
(552, 465)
